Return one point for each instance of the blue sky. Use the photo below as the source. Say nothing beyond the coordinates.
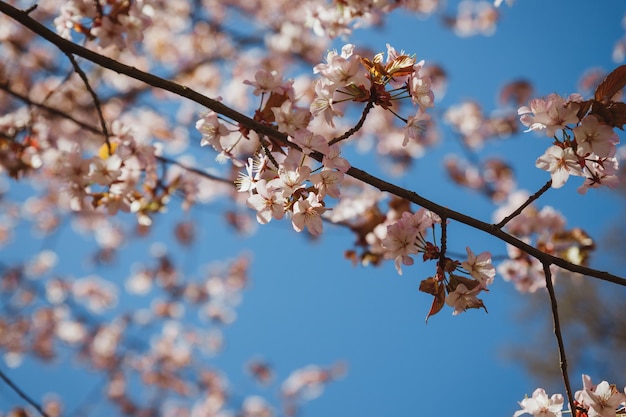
(307, 304)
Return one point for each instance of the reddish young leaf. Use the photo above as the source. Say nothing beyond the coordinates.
(612, 84)
(438, 301)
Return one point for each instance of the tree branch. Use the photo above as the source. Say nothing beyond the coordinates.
(559, 336)
(359, 125)
(22, 394)
(183, 91)
(532, 198)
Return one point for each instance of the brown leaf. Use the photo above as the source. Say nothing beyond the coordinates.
(612, 84)
(429, 286)
(438, 301)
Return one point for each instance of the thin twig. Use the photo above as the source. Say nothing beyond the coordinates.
(281, 138)
(22, 394)
(357, 127)
(94, 96)
(532, 198)
(559, 335)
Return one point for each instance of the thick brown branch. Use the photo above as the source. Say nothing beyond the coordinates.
(559, 335)
(69, 47)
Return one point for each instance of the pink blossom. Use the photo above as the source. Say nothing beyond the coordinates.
(421, 94)
(212, 130)
(480, 267)
(462, 299)
(399, 243)
(327, 182)
(602, 400)
(290, 118)
(552, 114)
(289, 180)
(333, 160)
(269, 82)
(540, 405)
(560, 163)
(268, 202)
(308, 213)
(310, 142)
(415, 127)
(105, 171)
(593, 136)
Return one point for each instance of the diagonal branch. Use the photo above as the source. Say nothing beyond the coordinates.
(532, 198)
(95, 98)
(183, 91)
(22, 394)
(357, 127)
(559, 335)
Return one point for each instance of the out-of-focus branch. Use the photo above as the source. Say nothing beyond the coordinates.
(93, 129)
(94, 96)
(183, 91)
(559, 336)
(22, 394)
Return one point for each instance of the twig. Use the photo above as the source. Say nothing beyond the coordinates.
(94, 96)
(532, 198)
(22, 394)
(281, 138)
(357, 127)
(559, 335)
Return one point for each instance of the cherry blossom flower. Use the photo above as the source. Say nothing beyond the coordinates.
(105, 171)
(308, 213)
(602, 399)
(333, 160)
(552, 113)
(269, 82)
(268, 202)
(310, 142)
(212, 130)
(560, 163)
(340, 70)
(399, 243)
(290, 118)
(419, 88)
(461, 299)
(327, 182)
(480, 267)
(415, 127)
(592, 136)
(540, 405)
(289, 180)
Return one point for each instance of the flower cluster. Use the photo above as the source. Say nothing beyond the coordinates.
(586, 146)
(383, 83)
(602, 400)
(461, 281)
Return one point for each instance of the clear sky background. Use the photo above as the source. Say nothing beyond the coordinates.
(307, 304)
